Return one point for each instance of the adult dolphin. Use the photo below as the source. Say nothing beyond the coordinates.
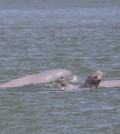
(40, 78)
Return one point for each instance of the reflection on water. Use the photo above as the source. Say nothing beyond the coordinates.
(82, 40)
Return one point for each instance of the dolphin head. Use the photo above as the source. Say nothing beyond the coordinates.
(93, 79)
(66, 75)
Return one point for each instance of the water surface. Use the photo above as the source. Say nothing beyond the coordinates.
(79, 39)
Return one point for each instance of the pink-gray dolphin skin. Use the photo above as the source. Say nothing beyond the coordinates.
(43, 77)
(110, 84)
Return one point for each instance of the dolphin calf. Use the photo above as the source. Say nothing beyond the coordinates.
(110, 84)
(64, 76)
(92, 80)
(40, 78)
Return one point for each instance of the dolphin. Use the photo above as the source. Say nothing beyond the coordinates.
(110, 84)
(41, 78)
(63, 76)
(92, 80)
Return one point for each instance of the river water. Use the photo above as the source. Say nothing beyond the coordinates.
(81, 39)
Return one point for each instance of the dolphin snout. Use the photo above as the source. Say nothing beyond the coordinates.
(99, 78)
(100, 75)
(74, 79)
